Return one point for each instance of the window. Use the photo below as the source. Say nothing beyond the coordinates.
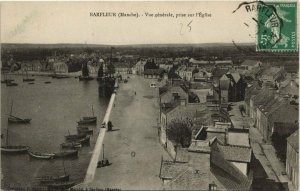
(212, 187)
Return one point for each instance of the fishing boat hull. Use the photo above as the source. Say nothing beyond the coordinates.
(51, 179)
(70, 145)
(40, 155)
(28, 80)
(11, 84)
(14, 149)
(15, 120)
(85, 131)
(60, 185)
(84, 141)
(66, 154)
(74, 137)
(87, 121)
(85, 78)
(7, 81)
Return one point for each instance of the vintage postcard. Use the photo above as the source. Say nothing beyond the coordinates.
(139, 95)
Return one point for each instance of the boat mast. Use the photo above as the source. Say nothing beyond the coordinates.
(64, 166)
(103, 150)
(11, 108)
(93, 110)
(7, 136)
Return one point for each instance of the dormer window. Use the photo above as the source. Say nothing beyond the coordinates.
(212, 187)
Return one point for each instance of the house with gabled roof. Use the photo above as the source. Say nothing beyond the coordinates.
(292, 159)
(207, 167)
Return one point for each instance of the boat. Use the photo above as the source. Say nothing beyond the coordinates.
(11, 84)
(6, 81)
(85, 73)
(70, 145)
(49, 179)
(66, 153)
(104, 162)
(84, 141)
(27, 79)
(60, 185)
(19, 149)
(88, 120)
(74, 137)
(61, 76)
(31, 83)
(82, 128)
(85, 131)
(14, 149)
(85, 78)
(38, 155)
(47, 82)
(14, 119)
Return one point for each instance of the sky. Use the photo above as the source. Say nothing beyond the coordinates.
(70, 22)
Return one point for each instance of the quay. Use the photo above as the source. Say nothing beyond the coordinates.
(132, 147)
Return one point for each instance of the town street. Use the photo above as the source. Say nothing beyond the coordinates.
(133, 146)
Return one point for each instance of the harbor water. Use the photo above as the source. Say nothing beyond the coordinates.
(54, 109)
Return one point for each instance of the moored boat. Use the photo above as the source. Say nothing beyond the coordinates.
(87, 121)
(14, 119)
(49, 179)
(66, 153)
(70, 145)
(11, 84)
(14, 149)
(48, 82)
(84, 141)
(85, 131)
(38, 155)
(74, 137)
(60, 185)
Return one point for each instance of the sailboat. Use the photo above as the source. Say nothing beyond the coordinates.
(14, 119)
(52, 179)
(85, 74)
(27, 79)
(89, 119)
(13, 149)
(104, 162)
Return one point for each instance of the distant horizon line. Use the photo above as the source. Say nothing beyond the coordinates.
(211, 43)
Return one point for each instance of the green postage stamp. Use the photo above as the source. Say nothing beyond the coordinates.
(277, 26)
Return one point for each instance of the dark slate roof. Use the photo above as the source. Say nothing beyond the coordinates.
(293, 140)
(153, 72)
(236, 153)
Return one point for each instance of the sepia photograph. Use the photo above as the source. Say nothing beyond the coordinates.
(149, 95)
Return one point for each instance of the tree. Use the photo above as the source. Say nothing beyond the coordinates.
(180, 131)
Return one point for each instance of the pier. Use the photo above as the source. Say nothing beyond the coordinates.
(89, 177)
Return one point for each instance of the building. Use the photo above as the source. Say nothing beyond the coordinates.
(154, 73)
(292, 159)
(202, 90)
(273, 74)
(140, 67)
(204, 166)
(174, 93)
(250, 64)
(60, 67)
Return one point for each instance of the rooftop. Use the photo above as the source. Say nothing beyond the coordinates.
(293, 140)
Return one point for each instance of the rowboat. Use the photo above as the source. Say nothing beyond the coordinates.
(82, 128)
(87, 121)
(38, 155)
(74, 137)
(14, 119)
(49, 179)
(66, 153)
(85, 131)
(84, 141)
(85, 78)
(11, 84)
(48, 82)
(70, 145)
(60, 185)
(14, 149)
